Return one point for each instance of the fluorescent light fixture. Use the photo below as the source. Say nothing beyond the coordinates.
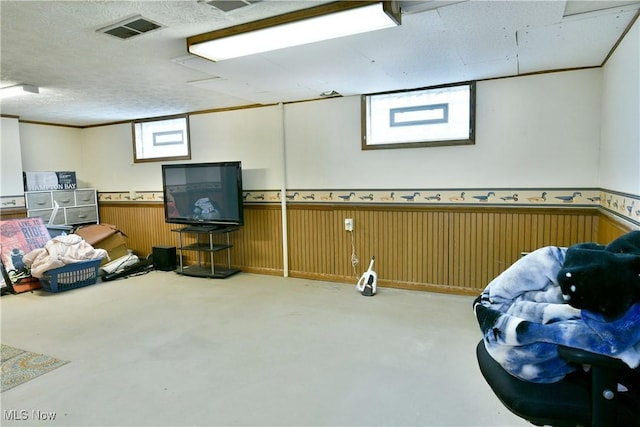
(15, 90)
(328, 21)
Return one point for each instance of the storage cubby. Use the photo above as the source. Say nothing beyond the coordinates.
(74, 206)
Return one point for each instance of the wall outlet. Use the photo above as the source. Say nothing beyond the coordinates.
(348, 224)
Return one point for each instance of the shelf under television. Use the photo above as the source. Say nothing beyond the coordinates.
(205, 271)
(205, 247)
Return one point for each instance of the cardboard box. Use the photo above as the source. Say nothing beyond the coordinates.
(105, 236)
(44, 181)
(115, 246)
(95, 233)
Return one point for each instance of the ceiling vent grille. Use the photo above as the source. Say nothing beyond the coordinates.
(229, 5)
(131, 27)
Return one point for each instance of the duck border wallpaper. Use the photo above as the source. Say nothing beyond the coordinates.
(623, 205)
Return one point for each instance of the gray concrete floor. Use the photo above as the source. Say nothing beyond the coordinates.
(169, 350)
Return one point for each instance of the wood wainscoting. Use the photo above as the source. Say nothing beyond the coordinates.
(610, 228)
(453, 250)
(444, 249)
(257, 247)
(12, 213)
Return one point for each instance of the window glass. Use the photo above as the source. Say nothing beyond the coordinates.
(161, 139)
(435, 116)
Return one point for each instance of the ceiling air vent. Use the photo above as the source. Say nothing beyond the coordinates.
(130, 27)
(229, 5)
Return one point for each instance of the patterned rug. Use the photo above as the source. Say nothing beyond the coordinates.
(20, 366)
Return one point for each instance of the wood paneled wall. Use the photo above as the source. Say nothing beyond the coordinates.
(610, 228)
(257, 245)
(13, 213)
(450, 250)
(142, 224)
(455, 250)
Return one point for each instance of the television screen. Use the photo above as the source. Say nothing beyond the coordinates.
(203, 193)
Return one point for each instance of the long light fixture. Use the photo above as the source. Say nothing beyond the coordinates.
(15, 90)
(324, 22)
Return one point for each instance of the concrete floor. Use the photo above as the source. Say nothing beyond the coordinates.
(169, 350)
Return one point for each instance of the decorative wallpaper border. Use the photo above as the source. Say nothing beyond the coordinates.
(13, 202)
(130, 196)
(622, 205)
(578, 197)
(466, 197)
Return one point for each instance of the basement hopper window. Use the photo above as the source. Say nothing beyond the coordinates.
(161, 139)
(435, 116)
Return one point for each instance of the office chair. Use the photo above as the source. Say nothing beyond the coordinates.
(581, 399)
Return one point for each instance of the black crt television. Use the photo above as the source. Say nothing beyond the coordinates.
(203, 194)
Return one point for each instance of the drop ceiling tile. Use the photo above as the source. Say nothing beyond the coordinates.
(87, 78)
(576, 42)
(486, 30)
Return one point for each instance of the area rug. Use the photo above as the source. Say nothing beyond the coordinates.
(20, 366)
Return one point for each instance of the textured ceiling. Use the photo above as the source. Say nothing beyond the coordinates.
(88, 78)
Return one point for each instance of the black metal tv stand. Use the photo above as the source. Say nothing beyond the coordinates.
(205, 240)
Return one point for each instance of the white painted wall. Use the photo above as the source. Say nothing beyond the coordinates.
(541, 130)
(534, 131)
(10, 158)
(253, 136)
(52, 148)
(620, 149)
(109, 166)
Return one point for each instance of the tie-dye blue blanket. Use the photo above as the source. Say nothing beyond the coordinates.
(524, 317)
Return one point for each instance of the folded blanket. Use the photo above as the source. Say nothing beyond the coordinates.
(60, 251)
(523, 317)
